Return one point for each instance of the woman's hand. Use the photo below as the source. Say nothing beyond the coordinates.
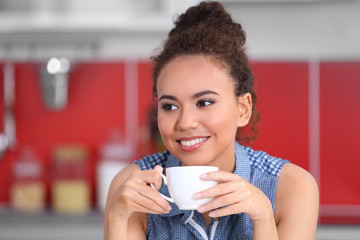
(136, 195)
(234, 195)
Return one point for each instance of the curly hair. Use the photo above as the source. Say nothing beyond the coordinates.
(207, 29)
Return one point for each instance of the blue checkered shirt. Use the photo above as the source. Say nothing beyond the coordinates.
(256, 167)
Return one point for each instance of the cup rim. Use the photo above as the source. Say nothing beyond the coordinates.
(186, 167)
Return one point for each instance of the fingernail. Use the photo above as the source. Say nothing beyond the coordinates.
(201, 209)
(204, 176)
(212, 214)
(169, 208)
(198, 195)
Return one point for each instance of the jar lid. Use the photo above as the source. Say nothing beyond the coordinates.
(27, 164)
(27, 169)
(70, 153)
(116, 152)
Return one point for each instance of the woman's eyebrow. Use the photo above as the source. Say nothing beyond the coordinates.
(202, 93)
(196, 95)
(168, 97)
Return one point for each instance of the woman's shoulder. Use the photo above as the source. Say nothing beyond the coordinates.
(295, 180)
(297, 197)
(150, 161)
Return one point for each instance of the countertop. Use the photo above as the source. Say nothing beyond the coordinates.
(51, 226)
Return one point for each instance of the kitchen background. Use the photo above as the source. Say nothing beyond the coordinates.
(76, 103)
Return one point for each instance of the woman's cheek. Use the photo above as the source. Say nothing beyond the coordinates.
(165, 126)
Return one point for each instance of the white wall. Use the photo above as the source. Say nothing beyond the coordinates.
(325, 29)
(276, 29)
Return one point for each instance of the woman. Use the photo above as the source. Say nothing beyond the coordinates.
(204, 88)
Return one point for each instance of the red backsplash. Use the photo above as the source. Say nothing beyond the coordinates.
(96, 105)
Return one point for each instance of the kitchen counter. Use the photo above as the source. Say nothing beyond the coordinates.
(51, 226)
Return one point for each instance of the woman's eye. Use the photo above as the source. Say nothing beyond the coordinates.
(204, 103)
(169, 107)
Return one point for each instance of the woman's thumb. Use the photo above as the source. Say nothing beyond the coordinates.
(158, 168)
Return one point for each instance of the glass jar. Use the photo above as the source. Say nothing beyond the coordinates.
(27, 193)
(70, 186)
(115, 154)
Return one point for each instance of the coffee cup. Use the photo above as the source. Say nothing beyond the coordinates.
(184, 182)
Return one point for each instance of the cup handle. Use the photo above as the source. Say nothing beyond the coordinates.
(164, 178)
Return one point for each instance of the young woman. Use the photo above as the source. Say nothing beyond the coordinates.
(204, 88)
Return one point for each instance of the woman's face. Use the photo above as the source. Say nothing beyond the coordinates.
(198, 112)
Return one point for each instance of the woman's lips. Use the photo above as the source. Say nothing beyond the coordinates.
(192, 144)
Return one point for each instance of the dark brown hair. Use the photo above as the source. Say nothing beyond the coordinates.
(207, 29)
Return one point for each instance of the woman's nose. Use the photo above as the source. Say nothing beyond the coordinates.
(187, 120)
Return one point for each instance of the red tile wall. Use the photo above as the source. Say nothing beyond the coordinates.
(96, 105)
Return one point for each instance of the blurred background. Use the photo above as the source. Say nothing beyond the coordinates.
(75, 98)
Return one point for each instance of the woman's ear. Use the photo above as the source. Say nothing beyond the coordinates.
(245, 109)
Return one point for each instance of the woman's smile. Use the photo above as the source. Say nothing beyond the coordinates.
(192, 143)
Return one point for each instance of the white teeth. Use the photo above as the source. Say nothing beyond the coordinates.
(192, 142)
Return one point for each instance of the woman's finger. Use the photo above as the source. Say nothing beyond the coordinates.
(221, 189)
(221, 201)
(220, 176)
(148, 177)
(158, 168)
(139, 207)
(228, 210)
(148, 205)
(154, 195)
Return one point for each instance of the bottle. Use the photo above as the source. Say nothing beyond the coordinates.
(27, 193)
(115, 155)
(70, 185)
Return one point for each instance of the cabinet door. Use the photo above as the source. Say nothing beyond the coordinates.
(339, 141)
(282, 89)
(147, 111)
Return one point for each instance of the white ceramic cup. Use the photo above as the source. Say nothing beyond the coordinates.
(184, 182)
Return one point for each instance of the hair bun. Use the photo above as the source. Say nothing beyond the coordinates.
(213, 16)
